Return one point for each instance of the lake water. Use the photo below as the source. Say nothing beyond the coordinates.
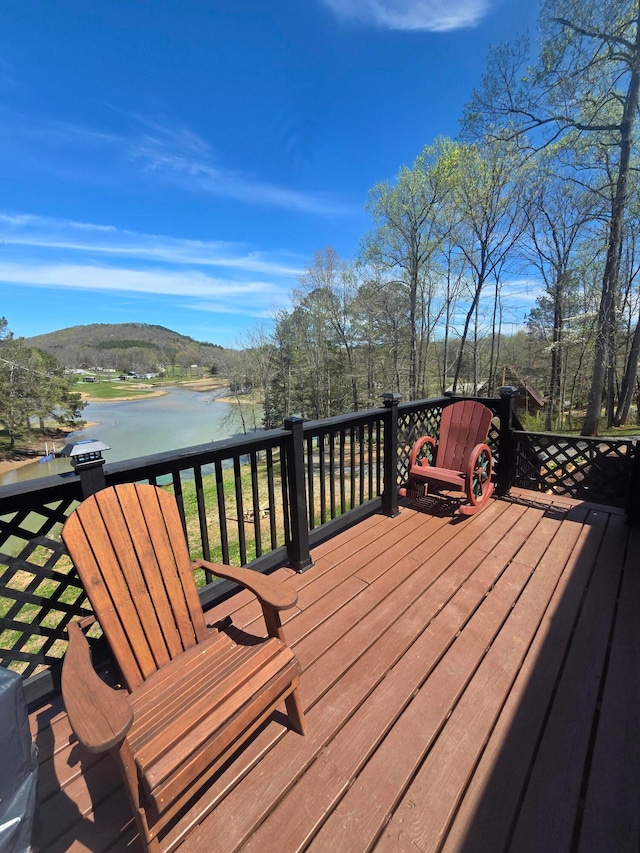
(180, 418)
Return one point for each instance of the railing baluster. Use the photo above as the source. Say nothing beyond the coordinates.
(310, 484)
(362, 443)
(285, 497)
(272, 500)
(370, 455)
(222, 512)
(323, 492)
(352, 464)
(379, 458)
(332, 473)
(202, 518)
(177, 492)
(256, 504)
(343, 499)
(237, 478)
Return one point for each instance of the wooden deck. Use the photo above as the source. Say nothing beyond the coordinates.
(470, 685)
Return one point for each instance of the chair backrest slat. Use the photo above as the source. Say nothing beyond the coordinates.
(170, 548)
(137, 575)
(463, 426)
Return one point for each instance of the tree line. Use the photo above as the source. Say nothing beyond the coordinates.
(33, 385)
(137, 347)
(541, 185)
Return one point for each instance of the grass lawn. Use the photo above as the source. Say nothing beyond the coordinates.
(128, 389)
(116, 390)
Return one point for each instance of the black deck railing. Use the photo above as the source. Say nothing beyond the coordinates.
(263, 500)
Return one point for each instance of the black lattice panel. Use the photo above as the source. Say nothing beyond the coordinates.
(411, 427)
(587, 469)
(493, 440)
(41, 592)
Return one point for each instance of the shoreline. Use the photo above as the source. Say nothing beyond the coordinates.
(200, 385)
(60, 435)
(38, 444)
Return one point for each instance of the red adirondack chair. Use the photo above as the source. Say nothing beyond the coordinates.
(194, 694)
(460, 459)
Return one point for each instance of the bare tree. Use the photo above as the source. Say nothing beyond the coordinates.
(585, 85)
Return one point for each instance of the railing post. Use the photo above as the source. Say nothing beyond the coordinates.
(298, 546)
(506, 444)
(390, 489)
(632, 506)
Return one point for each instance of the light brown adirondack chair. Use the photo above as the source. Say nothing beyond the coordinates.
(462, 458)
(194, 694)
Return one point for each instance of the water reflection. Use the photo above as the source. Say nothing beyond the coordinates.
(180, 418)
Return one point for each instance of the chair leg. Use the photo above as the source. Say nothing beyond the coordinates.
(295, 712)
(414, 489)
(127, 764)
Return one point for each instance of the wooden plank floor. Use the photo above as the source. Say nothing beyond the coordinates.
(470, 685)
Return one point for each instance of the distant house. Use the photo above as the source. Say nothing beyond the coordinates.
(469, 389)
(528, 398)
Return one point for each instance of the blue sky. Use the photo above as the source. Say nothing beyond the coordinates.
(179, 162)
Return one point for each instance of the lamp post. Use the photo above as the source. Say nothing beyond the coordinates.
(87, 461)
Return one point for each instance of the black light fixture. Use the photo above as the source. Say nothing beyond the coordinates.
(390, 397)
(85, 453)
(87, 460)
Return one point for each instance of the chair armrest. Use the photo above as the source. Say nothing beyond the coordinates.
(99, 715)
(417, 447)
(274, 595)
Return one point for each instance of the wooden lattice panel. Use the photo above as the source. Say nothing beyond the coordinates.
(40, 592)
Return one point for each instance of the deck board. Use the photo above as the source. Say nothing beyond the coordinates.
(547, 814)
(611, 811)
(440, 782)
(467, 687)
(486, 813)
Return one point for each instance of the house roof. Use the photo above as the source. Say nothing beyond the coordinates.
(528, 387)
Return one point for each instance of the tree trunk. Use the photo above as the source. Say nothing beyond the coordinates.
(413, 305)
(628, 380)
(556, 359)
(604, 354)
(467, 322)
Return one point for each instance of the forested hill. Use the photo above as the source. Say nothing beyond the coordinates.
(139, 347)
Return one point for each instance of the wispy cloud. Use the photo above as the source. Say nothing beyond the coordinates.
(62, 234)
(121, 279)
(179, 155)
(253, 299)
(84, 257)
(431, 15)
(160, 151)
